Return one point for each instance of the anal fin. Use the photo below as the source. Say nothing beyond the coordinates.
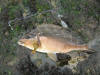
(52, 56)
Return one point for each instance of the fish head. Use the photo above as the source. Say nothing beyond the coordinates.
(29, 43)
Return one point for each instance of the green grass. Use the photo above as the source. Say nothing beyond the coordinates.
(42, 5)
(13, 9)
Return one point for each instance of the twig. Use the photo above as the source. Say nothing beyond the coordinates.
(23, 18)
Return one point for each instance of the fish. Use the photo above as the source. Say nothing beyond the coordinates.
(51, 45)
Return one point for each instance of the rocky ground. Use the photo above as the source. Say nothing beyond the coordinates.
(73, 62)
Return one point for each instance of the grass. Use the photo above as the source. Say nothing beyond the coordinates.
(13, 9)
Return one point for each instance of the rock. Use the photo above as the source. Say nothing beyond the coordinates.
(66, 61)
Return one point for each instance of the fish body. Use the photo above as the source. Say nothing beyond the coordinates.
(50, 45)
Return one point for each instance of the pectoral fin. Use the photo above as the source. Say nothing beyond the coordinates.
(52, 56)
(33, 51)
(38, 39)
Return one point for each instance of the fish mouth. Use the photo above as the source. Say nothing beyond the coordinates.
(22, 44)
(19, 43)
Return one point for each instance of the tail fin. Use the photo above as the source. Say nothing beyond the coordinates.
(94, 45)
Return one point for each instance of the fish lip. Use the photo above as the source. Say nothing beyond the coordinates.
(19, 43)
